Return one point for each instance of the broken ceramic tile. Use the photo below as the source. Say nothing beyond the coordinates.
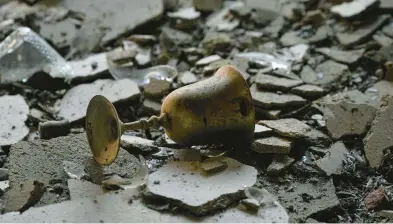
(87, 39)
(362, 33)
(293, 128)
(279, 164)
(207, 60)
(89, 68)
(117, 15)
(354, 8)
(74, 104)
(213, 165)
(333, 161)
(275, 145)
(306, 198)
(289, 127)
(308, 91)
(27, 164)
(378, 139)
(187, 155)
(273, 100)
(215, 41)
(268, 82)
(346, 57)
(343, 118)
(214, 66)
(386, 5)
(325, 73)
(4, 185)
(182, 183)
(219, 20)
(261, 131)
(291, 37)
(83, 189)
(39, 56)
(14, 111)
(378, 90)
(117, 207)
(151, 107)
(382, 39)
(137, 145)
(24, 196)
(187, 78)
(275, 27)
(156, 89)
(185, 13)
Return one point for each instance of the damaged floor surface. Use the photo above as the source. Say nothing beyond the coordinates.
(320, 74)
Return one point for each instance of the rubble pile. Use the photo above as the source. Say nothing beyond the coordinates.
(320, 74)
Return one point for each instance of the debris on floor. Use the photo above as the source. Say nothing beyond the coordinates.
(14, 112)
(345, 119)
(74, 104)
(378, 138)
(177, 179)
(320, 75)
(29, 164)
(333, 161)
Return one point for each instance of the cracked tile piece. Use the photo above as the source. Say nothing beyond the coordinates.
(26, 158)
(116, 207)
(261, 131)
(74, 104)
(293, 128)
(379, 137)
(279, 164)
(14, 111)
(325, 73)
(137, 145)
(273, 100)
(268, 82)
(360, 34)
(120, 15)
(184, 185)
(343, 119)
(354, 8)
(308, 91)
(333, 161)
(275, 145)
(289, 127)
(90, 67)
(306, 198)
(24, 196)
(346, 57)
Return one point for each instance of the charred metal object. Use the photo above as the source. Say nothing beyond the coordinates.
(218, 110)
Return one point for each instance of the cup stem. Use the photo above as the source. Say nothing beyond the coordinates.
(144, 124)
